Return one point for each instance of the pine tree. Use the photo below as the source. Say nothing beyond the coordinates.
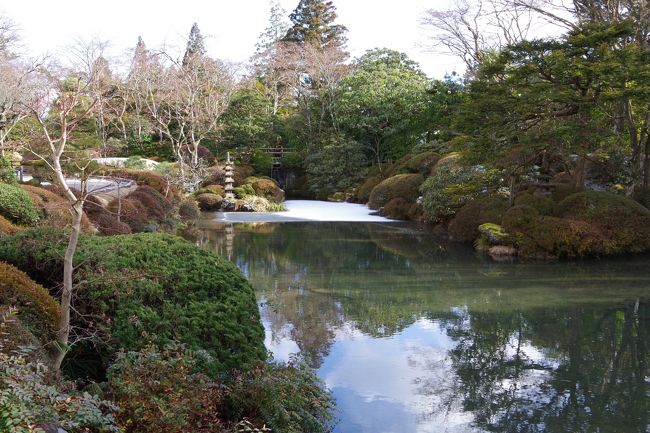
(277, 28)
(313, 22)
(139, 56)
(195, 45)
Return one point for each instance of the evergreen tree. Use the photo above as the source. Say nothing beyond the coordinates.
(195, 45)
(313, 22)
(277, 28)
(139, 54)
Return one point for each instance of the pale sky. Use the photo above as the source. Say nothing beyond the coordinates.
(231, 28)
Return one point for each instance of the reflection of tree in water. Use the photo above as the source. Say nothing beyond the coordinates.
(539, 347)
(572, 370)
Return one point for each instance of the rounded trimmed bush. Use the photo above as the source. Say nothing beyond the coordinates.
(404, 186)
(363, 192)
(209, 202)
(398, 209)
(189, 210)
(103, 219)
(151, 287)
(543, 205)
(464, 226)
(7, 227)
(53, 208)
(36, 308)
(131, 212)
(267, 188)
(624, 222)
(16, 205)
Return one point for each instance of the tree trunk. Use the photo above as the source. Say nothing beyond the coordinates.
(580, 173)
(63, 333)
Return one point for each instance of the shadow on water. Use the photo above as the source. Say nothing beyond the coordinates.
(414, 335)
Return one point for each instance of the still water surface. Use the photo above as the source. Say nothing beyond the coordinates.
(415, 336)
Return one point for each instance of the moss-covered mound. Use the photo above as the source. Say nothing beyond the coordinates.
(151, 287)
(16, 206)
(267, 188)
(209, 202)
(465, 225)
(583, 224)
(37, 310)
(419, 163)
(104, 220)
(53, 208)
(404, 186)
(7, 227)
(364, 190)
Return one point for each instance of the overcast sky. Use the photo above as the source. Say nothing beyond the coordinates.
(231, 26)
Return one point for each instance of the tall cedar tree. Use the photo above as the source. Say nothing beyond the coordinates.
(195, 45)
(313, 22)
(276, 30)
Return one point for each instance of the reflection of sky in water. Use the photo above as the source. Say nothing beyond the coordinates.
(387, 385)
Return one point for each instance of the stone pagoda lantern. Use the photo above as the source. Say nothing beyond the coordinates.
(228, 188)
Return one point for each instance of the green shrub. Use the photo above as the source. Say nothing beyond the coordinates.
(543, 205)
(7, 172)
(135, 163)
(262, 162)
(189, 210)
(16, 206)
(404, 186)
(267, 188)
(363, 192)
(338, 165)
(150, 286)
(464, 226)
(244, 190)
(36, 308)
(623, 222)
(209, 202)
(287, 399)
(7, 227)
(452, 185)
(164, 391)
(397, 208)
(31, 398)
(293, 161)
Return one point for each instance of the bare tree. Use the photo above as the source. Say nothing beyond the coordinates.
(58, 119)
(472, 29)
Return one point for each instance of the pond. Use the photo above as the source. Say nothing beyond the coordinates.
(412, 335)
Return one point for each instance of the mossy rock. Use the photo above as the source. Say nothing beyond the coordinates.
(209, 202)
(493, 234)
(37, 310)
(267, 188)
(405, 186)
(464, 227)
(363, 192)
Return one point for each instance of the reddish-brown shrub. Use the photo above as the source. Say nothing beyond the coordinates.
(403, 185)
(464, 226)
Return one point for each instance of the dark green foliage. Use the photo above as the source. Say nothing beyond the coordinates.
(189, 210)
(7, 173)
(338, 165)
(364, 190)
(313, 22)
(31, 397)
(169, 390)
(151, 287)
(164, 391)
(405, 186)
(392, 91)
(464, 226)
(543, 205)
(16, 206)
(397, 208)
(262, 162)
(288, 399)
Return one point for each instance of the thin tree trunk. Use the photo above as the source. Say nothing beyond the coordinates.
(63, 333)
(580, 173)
